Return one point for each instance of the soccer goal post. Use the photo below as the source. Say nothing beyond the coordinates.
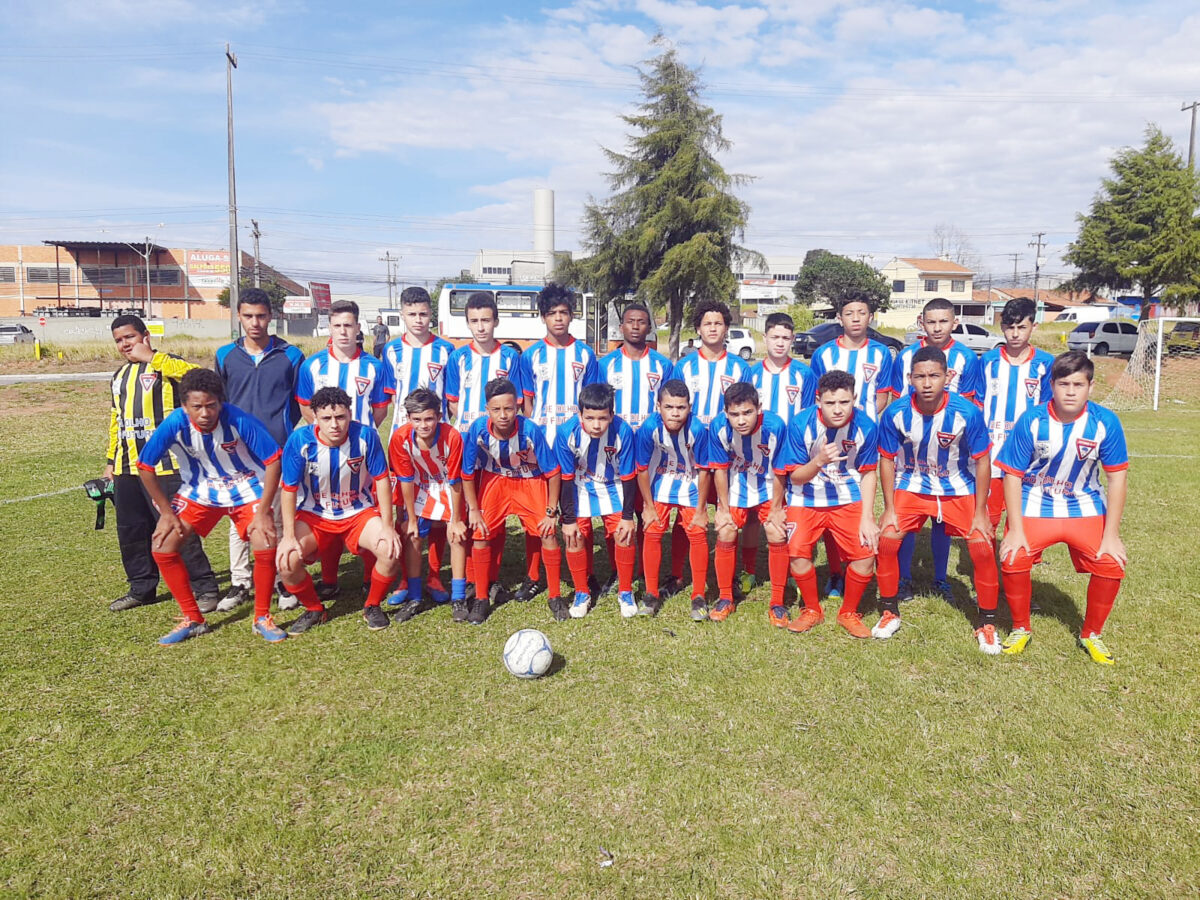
(1164, 367)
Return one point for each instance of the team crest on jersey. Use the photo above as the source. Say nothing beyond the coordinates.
(527, 456)
(362, 384)
(726, 381)
(951, 375)
(178, 505)
(652, 379)
(610, 452)
(577, 368)
(1031, 386)
(355, 463)
(869, 370)
(502, 373)
(945, 439)
(435, 369)
(1084, 448)
(148, 379)
(765, 448)
(793, 391)
(848, 446)
(228, 446)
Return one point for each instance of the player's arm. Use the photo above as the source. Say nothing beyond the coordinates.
(158, 446)
(408, 496)
(171, 366)
(114, 429)
(1110, 542)
(887, 484)
(390, 540)
(288, 542)
(868, 528)
(1014, 531)
(570, 513)
(704, 483)
(553, 494)
(264, 516)
(474, 515)
(457, 529)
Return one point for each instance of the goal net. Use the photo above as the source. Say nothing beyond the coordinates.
(1164, 368)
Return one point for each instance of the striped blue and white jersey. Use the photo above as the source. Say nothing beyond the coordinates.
(467, 374)
(1059, 462)
(362, 377)
(871, 366)
(596, 466)
(839, 483)
(523, 454)
(224, 467)
(551, 378)
(673, 459)
(962, 370)
(934, 454)
(751, 460)
(333, 482)
(1010, 388)
(786, 392)
(636, 382)
(708, 380)
(410, 367)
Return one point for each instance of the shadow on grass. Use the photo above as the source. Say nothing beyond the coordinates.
(1050, 600)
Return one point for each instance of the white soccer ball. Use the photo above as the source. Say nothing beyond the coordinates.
(527, 653)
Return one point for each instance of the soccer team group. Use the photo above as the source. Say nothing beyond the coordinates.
(558, 437)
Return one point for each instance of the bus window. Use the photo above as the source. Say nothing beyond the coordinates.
(517, 303)
(458, 301)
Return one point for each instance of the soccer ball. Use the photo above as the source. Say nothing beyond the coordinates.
(527, 653)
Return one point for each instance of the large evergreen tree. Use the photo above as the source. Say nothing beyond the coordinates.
(670, 230)
(828, 276)
(1142, 232)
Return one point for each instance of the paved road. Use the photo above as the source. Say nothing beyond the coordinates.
(31, 377)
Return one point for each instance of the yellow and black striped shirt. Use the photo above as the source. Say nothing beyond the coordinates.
(143, 394)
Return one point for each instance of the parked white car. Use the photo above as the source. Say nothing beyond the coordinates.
(738, 341)
(1103, 338)
(973, 337)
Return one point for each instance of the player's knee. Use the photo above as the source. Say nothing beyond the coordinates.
(864, 566)
(727, 534)
(801, 565)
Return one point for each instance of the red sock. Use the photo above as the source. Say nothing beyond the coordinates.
(553, 559)
(470, 567)
(1018, 591)
(856, 585)
(331, 557)
(983, 557)
(626, 558)
(368, 564)
(380, 585)
(577, 562)
(698, 552)
(777, 562)
(652, 561)
(679, 548)
(750, 558)
(306, 592)
(175, 574)
(482, 554)
(437, 552)
(497, 543)
(807, 585)
(832, 554)
(725, 560)
(264, 581)
(1101, 594)
(888, 566)
(533, 556)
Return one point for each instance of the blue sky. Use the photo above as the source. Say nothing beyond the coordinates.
(422, 128)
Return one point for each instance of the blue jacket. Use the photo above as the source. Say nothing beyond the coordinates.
(266, 391)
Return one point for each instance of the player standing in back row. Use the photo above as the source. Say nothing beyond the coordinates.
(635, 370)
(418, 357)
(710, 370)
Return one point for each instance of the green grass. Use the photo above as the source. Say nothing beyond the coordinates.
(724, 760)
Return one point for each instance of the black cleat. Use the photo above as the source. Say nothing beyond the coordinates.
(208, 602)
(528, 590)
(670, 587)
(559, 609)
(478, 612)
(129, 602)
(376, 618)
(406, 610)
(699, 609)
(308, 619)
(498, 595)
(904, 593)
(326, 592)
(649, 606)
(459, 610)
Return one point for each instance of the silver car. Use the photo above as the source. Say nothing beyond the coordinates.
(973, 337)
(1103, 338)
(15, 334)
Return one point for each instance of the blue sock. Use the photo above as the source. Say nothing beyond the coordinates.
(414, 588)
(458, 589)
(906, 554)
(940, 543)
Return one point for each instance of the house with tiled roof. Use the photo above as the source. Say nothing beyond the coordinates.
(915, 280)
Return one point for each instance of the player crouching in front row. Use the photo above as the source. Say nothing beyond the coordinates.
(329, 469)
(228, 466)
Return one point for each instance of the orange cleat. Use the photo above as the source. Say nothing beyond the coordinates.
(806, 620)
(853, 623)
(777, 616)
(723, 610)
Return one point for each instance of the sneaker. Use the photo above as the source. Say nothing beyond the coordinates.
(1097, 650)
(610, 586)
(527, 590)
(904, 593)
(405, 610)
(835, 586)
(625, 601)
(723, 610)
(478, 612)
(208, 602)
(888, 624)
(581, 605)
(287, 600)
(308, 619)
(265, 627)
(469, 595)
(747, 583)
(498, 595)
(234, 597)
(988, 642)
(945, 591)
(438, 594)
(129, 601)
(397, 599)
(376, 618)
(558, 608)
(699, 609)
(1016, 642)
(184, 630)
(853, 623)
(808, 619)
(326, 592)
(649, 606)
(669, 587)
(778, 616)
(459, 610)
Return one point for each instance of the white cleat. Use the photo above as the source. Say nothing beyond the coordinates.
(888, 624)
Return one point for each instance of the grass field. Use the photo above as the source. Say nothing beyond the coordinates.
(726, 760)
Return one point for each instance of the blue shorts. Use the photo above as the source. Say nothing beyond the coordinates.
(423, 525)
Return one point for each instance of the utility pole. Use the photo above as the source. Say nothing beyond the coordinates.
(1037, 261)
(387, 259)
(235, 259)
(1015, 258)
(1192, 142)
(257, 234)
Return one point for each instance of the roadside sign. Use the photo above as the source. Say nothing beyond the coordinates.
(156, 327)
(42, 321)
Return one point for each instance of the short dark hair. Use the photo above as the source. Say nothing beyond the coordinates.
(779, 319)
(937, 303)
(674, 387)
(422, 400)
(597, 395)
(204, 381)
(636, 306)
(741, 392)
(483, 300)
(130, 319)
(1071, 362)
(414, 294)
(498, 386)
(553, 295)
(929, 353)
(254, 297)
(330, 396)
(836, 380)
(706, 306)
(343, 306)
(1017, 310)
(856, 296)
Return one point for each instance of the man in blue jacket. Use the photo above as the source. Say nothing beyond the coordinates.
(260, 372)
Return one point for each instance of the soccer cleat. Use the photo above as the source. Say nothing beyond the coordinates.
(699, 609)
(208, 602)
(265, 627)
(835, 586)
(234, 597)
(498, 595)
(558, 608)
(904, 592)
(669, 587)
(888, 624)
(439, 594)
(326, 592)
(287, 600)
(723, 610)
(1097, 650)
(808, 619)
(610, 586)
(853, 623)
(184, 630)
(406, 611)
(649, 606)
(1016, 642)
(310, 618)
(625, 601)
(946, 591)
(581, 605)
(459, 610)
(397, 599)
(778, 616)
(376, 618)
(478, 612)
(129, 601)
(988, 642)
(527, 590)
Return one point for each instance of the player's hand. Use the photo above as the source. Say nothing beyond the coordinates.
(168, 526)
(868, 533)
(983, 524)
(389, 544)
(1114, 547)
(777, 519)
(141, 352)
(263, 524)
(624, 533)
(412, 529)
(108, 472)
(283, 553)
(649, 515)
(456, 532)
(1014, 541)
(829, 453)
(888, 520)
(547, 525)
(700, 517)
(475, 520)
(572, 537)
(723, 519)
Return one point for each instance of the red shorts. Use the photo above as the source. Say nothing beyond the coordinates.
(329, 532)
(501, 497)
(806, 524)
(741, 514)
(956, 513)
(685, 515)
(202, 518)
(1082, 537)
(610, 524)
(996, 501)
